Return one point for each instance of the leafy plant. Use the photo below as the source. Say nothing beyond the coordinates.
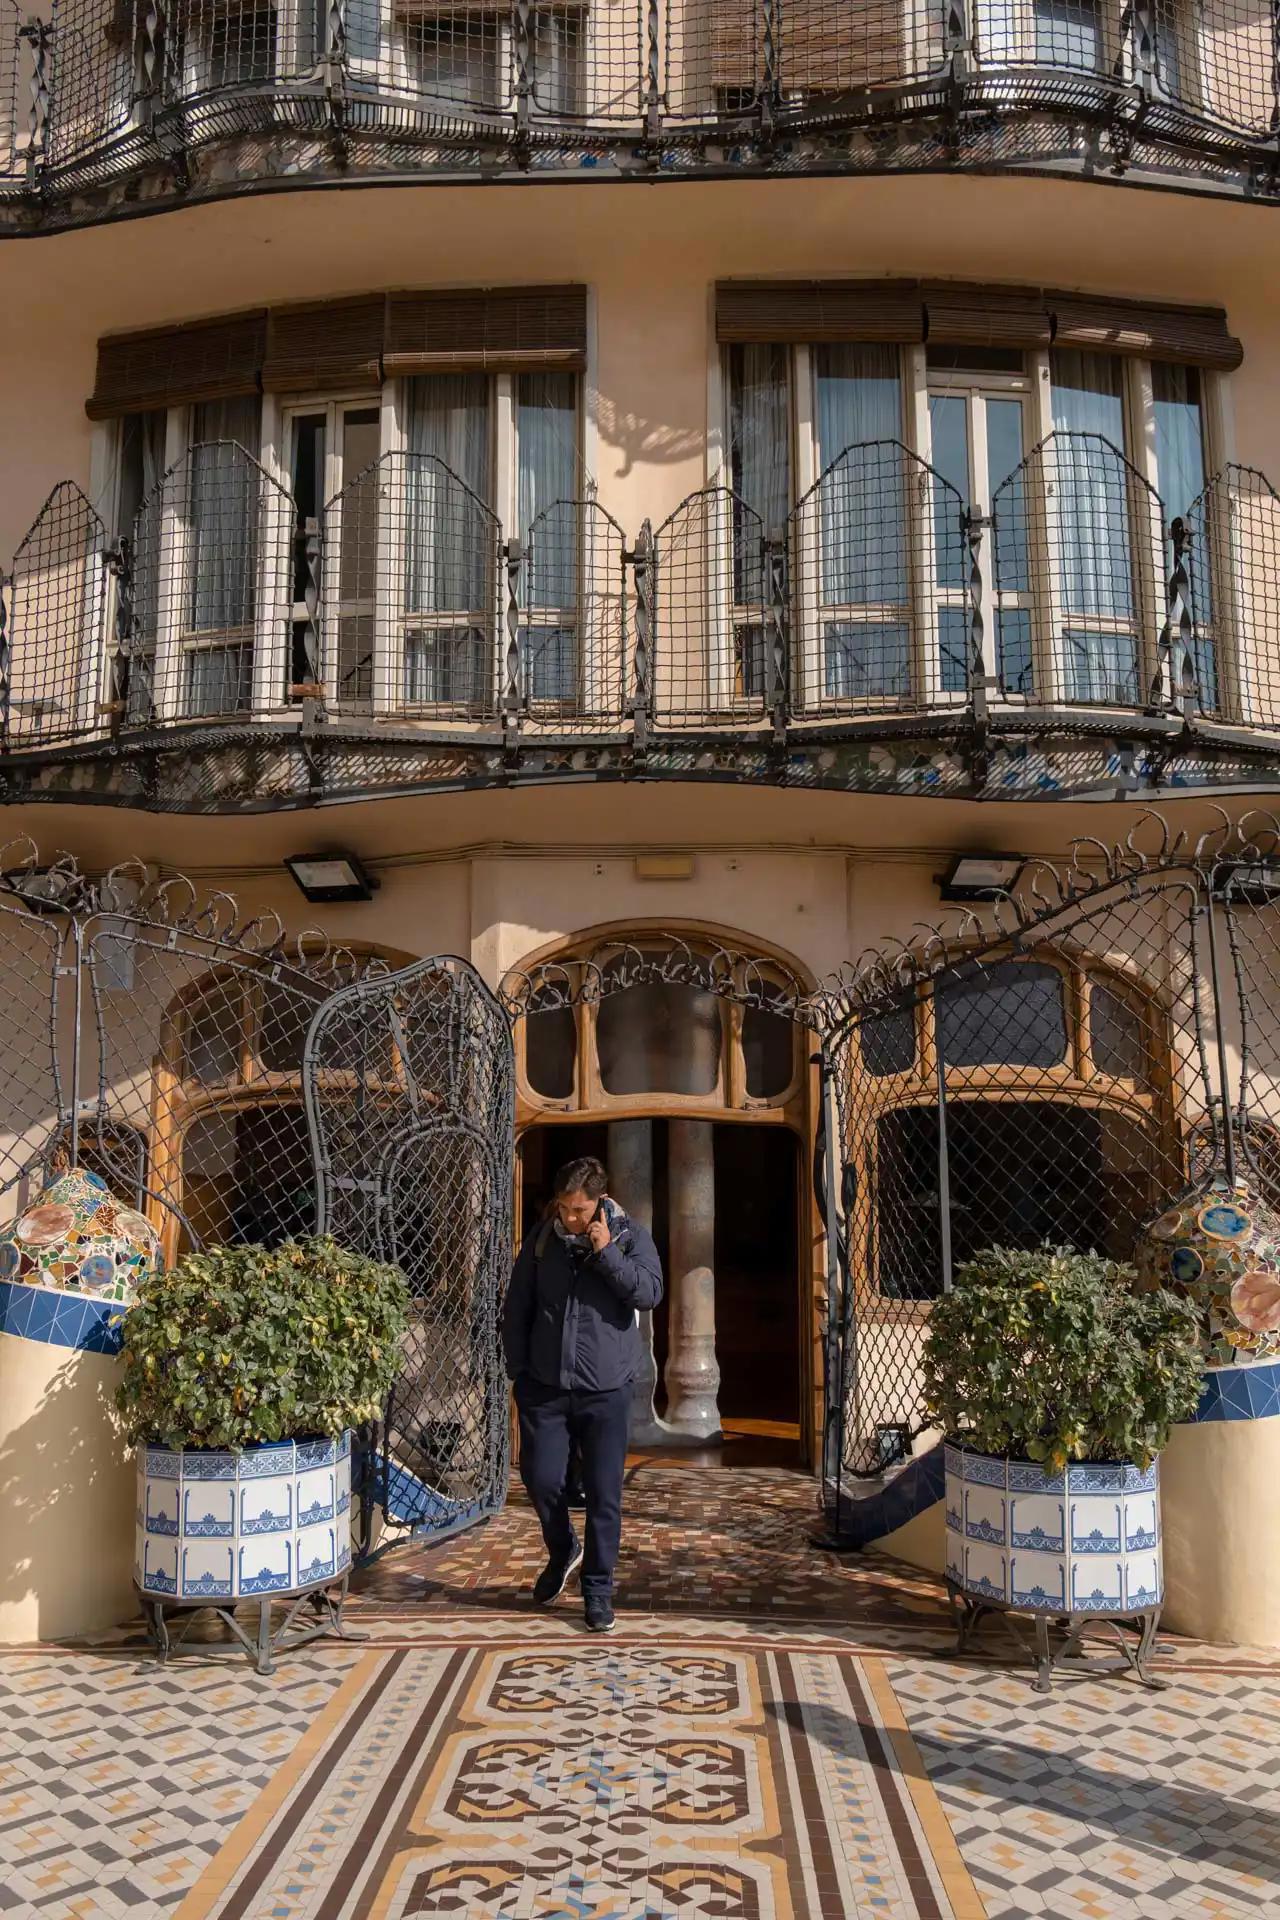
(242, 1344)
(1052, 1356)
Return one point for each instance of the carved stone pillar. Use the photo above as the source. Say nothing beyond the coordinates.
(631, 1184)
(692, 1375)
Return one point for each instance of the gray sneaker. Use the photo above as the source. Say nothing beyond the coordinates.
(598, 1608)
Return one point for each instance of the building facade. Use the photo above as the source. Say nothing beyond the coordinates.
(656, 484)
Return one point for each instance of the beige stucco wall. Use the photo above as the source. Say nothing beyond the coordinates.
(67, 1494)
(650, 256)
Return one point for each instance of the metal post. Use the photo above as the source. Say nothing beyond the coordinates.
(523, 44)
(120, 565)
(154, 29)
(1228, 1136)
(642, 561)
(311, 687)
(775, 558)
(1179, 630)
(6, 663)
(511, 677)
(1143, 31)
(36, 34)
(972, 526)
(944, 1152)
(769, 92)
(77, 948)
(652, 87)
(837, 1336)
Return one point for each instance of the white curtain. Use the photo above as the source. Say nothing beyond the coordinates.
(548, 490)
(1180, 477)
(759, 462)
(225, 481)
(1092, 503)
(863, 499)
(448, 536)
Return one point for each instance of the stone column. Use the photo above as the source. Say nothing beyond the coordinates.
(631, 1184)
(692, 1376)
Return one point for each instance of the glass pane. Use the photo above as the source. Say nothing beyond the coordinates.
(552, 655)
(550, 525)
(1091, 483)
(1180, 476)
(1004, 457)
(759, 456)
(358, 559)
(284, 1014)
(1101, 666)
(141, 463)
(888, 1041)
(446, 667)
(453, 56)
(863, 501)
(768, 1051)
(557, 55)
(213, 1032)
(1010, 1014)
(447, 549)
(308, 494)
(1118, 1037)
(247, 1176)
(953, 648)
(551, 1051)
(1067, 34)
(224, 497)
(658, 1039)
(219, 680)
(949, 440)
(866, 659)
(1013, 649)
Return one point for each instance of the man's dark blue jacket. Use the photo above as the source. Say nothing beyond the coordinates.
(571, 1318)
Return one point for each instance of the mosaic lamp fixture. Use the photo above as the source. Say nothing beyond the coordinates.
(77, 1238)
(1218, 1245)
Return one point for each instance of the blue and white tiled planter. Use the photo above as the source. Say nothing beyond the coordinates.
(1086, 1540)
(222, 1527)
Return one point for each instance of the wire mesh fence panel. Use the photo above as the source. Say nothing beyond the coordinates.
(449, 56)
(409, 1089)
(1218, 61)
(96, 73)
(15, 95)
(585, 61)
(1077, 575)
(878, 586)
(218, 47)
(1054, 1089)
(35, 1072)
(57, 621)
(573, 616)
(210, 605)
(1064, 36)
(713, 655)
(1232, 560)
(411, 593)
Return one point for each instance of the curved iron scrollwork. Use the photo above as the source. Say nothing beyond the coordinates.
(613, 966)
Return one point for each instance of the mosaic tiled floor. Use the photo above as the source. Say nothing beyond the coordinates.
(746, 1761)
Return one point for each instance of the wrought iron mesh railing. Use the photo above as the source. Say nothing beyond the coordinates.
(879, 586)
(1078, 576)
(206, 629)
(105, 86)
(411, 592)
(882, 593)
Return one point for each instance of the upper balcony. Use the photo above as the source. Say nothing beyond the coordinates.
(885, 615)
(113, 106)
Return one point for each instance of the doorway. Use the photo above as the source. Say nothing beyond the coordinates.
(758, 1306)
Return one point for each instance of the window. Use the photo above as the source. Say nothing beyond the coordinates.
(871, 455)
(333, 447)
(465, 57)
(1058, 1117)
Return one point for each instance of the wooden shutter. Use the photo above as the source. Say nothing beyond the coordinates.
(331, 348)
(813, 312)
(494, 329)
(828, 48)
(178, 366)
(1195, 336)
(725, 36)
(985, 316)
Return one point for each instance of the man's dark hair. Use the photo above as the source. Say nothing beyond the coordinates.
(581, 1176)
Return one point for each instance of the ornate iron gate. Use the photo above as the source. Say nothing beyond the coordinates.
(1055, 1067)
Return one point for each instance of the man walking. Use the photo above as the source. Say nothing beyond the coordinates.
(571, 1333)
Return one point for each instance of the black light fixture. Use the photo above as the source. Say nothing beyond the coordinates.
(327, 877)
(980, 876)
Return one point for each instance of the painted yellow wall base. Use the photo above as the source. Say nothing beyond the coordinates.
(921, 1543)
(1220, 1499)
(67, 1495)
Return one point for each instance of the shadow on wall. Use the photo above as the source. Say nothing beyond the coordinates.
(643, 442)
(67, 1494)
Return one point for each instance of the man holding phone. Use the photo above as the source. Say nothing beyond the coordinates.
(571, 1334)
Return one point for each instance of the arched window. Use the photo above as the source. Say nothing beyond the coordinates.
(1035, 1093)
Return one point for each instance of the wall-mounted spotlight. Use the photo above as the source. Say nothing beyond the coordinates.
(326, 877)
(980, 876)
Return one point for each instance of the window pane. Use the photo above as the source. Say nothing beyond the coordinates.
(1180, 477)
(219, 680)
(1091, 485)
(247, 1176)
(863, 501)
(551, 1051)
(888, 1041)
(759, 457)
(358, 560)
(949, 438)
(658, 1039)
(768, 1051)
(225, 483)
(866, 660)
(453, 56)
(214, 1032)
(447, 548)
(557, 55)
(1004, 457)
(141, 463)
(1013, 649)
(1118, 1032)
(1101, 666)
(550, 525)
(1011, 1014)
(1067, 34)
(953, 648)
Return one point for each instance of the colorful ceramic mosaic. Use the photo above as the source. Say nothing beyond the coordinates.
(77, 1238)
(1219, 1246)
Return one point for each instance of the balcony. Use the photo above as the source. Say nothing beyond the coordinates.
(403, 621)
(106, 105)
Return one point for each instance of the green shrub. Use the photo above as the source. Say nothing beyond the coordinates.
(1052, 1356)
(241, 1344)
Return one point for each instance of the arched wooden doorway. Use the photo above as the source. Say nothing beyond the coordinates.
(678, 1056)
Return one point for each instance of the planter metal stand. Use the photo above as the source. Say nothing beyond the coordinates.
(325, 1601)
(1057, 1640)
